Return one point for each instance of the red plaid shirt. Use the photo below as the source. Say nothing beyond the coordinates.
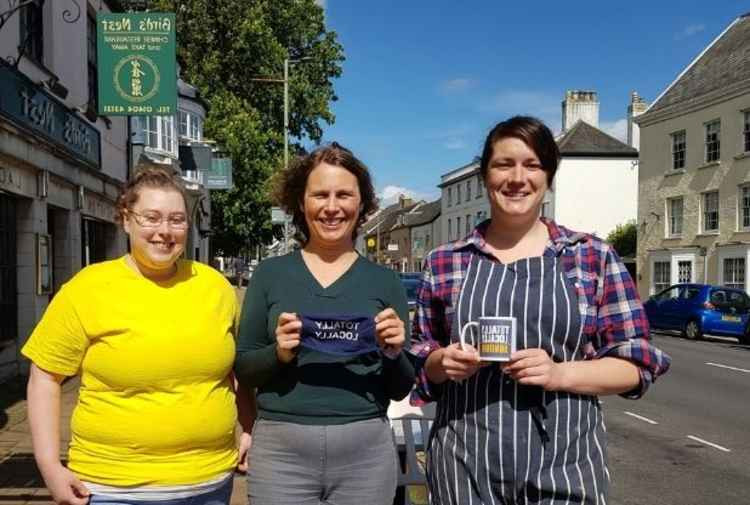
(614, 322)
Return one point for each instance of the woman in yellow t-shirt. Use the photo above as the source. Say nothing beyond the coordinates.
(152, 337)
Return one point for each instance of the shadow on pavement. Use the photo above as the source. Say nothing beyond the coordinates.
(11, 392)
(19, 471)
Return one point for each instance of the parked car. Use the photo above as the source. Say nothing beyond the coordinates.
(698, 309)
(410, 281)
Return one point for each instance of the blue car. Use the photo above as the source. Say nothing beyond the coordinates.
(411, 281)
(698, 309)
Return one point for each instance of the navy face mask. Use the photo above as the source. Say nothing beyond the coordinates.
(338, 334)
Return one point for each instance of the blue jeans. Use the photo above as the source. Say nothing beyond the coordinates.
(219, 496)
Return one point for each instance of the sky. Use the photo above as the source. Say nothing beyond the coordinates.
(424, 81)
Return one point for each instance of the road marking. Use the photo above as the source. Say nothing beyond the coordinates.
(715, 446)
(646, 419)
(728, 367)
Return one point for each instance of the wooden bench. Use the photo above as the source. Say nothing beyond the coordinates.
(410, 471)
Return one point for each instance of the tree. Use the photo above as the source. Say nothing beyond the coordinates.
(624, 238)
(222, 46)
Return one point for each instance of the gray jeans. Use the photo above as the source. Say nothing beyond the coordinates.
(346, 464)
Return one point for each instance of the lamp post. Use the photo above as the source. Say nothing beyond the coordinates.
(285, 81)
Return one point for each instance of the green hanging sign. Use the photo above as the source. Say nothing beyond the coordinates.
(136, 63)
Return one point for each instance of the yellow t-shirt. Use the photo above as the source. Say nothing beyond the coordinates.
(155, 406)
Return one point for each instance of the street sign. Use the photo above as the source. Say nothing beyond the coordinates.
(278, 216)
(393, 247)
(220, 174)
(27, 105)
(136, 63)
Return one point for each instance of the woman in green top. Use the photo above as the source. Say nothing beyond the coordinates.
(321, 337)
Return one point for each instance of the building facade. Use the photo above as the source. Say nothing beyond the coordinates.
(463, 201)
(694, 184)
(426, 233)
(61, 167)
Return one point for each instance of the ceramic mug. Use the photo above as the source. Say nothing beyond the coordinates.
(497, 337)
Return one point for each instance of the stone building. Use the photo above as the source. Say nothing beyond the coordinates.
(694, 184)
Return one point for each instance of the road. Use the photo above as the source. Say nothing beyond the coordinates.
(687, 442)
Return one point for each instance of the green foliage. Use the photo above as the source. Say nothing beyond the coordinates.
(624, 238)
(222, 46)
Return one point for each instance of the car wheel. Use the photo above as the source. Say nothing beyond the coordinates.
(745, 337)
(693, 330)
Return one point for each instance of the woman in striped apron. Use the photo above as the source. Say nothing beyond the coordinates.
(530, 430)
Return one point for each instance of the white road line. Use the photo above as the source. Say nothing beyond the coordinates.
(646, 419)
(728, 367)
(715, 446)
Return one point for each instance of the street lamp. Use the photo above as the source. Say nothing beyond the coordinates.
(285, 82)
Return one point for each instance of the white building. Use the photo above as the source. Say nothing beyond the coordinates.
(61, 167)
(463, 202)
(596, 185)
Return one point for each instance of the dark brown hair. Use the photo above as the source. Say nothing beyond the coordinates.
(532, 132)
(289, 192)
(147, 175)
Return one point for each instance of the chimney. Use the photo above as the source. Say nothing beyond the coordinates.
(404, 201)
(637, 106)
(577, 105)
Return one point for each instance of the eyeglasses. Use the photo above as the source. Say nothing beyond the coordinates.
(154, 220)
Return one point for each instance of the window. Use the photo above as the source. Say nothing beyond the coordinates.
(458, 226)
(480, 186)
(691, 293)
(468, 190)
(32, 30)
(662, 275)
(468, 224)
(450, 230)
(744, 206)
(713, 141)
(458, 194)
(191, 126)
(480, 217)
(734, 273)
(159, 132)
(711, 211)
(678, 150)
(684, 271)
(669, 294)
(450, 197)
(746, 133)
(674, 207)
(91, 57)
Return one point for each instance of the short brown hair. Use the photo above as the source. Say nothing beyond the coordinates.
(147, 175)
(290, 187)
(532, 132)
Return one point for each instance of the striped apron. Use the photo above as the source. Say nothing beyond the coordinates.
(497, 442)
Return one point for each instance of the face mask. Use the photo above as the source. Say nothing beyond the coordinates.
(338, 334)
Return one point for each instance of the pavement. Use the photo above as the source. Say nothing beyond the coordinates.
(20, 481)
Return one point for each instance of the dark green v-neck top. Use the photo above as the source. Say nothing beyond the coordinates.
(319, 388)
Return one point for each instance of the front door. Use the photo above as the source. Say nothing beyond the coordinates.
(8, 291)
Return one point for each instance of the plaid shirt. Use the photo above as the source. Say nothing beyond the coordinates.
(614, 322)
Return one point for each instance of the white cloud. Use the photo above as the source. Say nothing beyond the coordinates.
(540, 104)
(618, 128)
(689, 31)
(454, 144)
(457, 85)
(390, 193)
